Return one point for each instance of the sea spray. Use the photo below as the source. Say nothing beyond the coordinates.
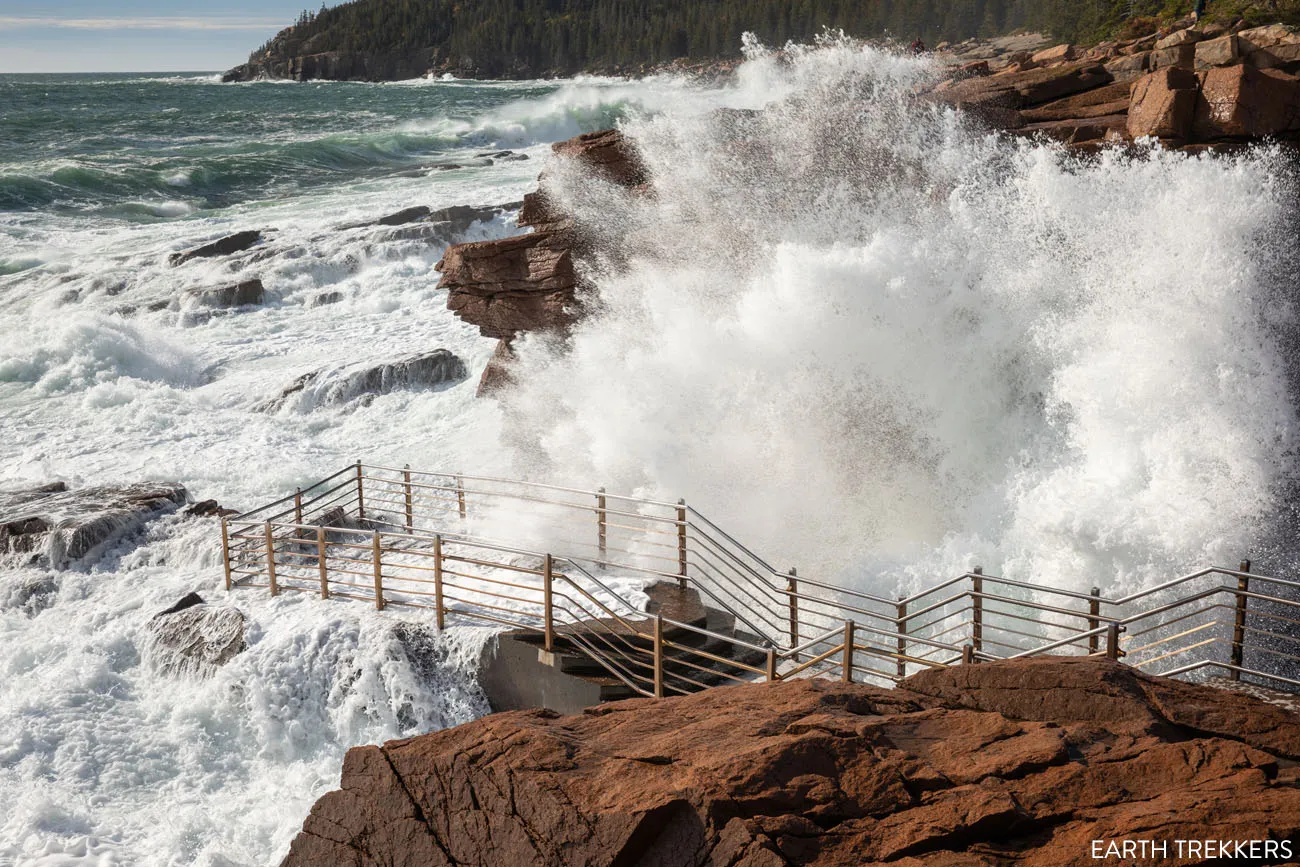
(883, 345)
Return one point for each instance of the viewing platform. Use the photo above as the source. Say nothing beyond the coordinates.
(602, 596)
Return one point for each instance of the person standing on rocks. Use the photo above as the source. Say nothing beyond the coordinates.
(1198, 10)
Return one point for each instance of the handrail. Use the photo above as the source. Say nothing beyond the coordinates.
(392, 518)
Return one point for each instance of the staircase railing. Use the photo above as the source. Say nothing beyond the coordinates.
(469, 546)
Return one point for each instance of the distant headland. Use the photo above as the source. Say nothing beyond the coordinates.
(392, 40)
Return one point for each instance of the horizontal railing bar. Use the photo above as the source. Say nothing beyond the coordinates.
(455, 476)
(1175, 637)
(289, 499)
(1038, 606)
(1182, 650)
(1134, 634)
(816, 659)
(1101, 630)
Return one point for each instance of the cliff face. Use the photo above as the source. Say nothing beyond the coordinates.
(1026, 761)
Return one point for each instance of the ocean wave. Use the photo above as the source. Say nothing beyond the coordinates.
(85, 351)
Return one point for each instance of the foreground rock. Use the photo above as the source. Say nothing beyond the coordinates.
(1024, 762)
(194, 639)
(55, 528)
(340, 385)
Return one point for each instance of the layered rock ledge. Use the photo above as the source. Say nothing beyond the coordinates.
(1021, 762)
(529, 282)
(1185, 85)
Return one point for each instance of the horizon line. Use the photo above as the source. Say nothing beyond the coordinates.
(157, 22)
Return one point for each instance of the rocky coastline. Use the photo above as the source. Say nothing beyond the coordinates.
(1023, 761)
(427, 63)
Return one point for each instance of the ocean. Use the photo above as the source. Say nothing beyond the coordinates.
(870, 340)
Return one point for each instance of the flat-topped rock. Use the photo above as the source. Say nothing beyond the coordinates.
(1021, 762)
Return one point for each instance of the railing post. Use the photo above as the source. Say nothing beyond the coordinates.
(967, 654)
(1239, 621)
(361, 495)
(548, 604)
(771, 665)
(1094, 612)
(225, 551)
(659, 656)
(375, 556)
(977, 614)
(270, 560)
(297, 506)
(847, 674)
(1112, 640)
(792, 589)
(460, 495)
(410, 503)
(437, 581)
(320, 562)
(901, 623)
(681, 543)
(602, 523)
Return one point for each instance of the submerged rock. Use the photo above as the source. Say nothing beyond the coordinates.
(196, 640)
(450, 221)
(410, 215)
(340, 385)
(208, 509)
(235, 243)
(56, 528)
(30, 594)
(245, 294)
(1021, 761)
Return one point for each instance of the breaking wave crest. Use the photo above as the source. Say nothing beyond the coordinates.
(883, 344)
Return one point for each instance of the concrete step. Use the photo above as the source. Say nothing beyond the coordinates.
(517, 672)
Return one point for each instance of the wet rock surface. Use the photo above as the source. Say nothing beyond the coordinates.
(340, 385)
(235, 243)
(245, 294)
(194, 639)
(53, 527)
(1021, 762)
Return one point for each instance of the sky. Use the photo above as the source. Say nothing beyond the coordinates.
(137, 35)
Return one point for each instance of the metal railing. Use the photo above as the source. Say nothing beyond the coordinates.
(575, 558)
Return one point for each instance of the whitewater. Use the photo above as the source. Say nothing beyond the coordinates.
(868, 339)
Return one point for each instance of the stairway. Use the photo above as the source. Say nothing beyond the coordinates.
(517, 672)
